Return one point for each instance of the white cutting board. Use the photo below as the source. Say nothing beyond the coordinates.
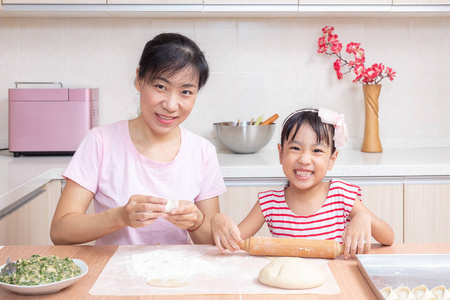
(211, 272)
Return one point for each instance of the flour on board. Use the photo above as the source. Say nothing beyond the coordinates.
(176, 264)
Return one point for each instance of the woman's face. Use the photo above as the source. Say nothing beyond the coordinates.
(168, 100)
(305, 161)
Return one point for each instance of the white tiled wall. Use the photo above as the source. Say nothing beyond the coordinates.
(259, 66)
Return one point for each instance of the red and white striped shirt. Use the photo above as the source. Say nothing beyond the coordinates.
(327, 224)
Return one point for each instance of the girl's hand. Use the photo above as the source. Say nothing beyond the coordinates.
(226, 234)
(358, 235)
(185, 216)
(142, 210)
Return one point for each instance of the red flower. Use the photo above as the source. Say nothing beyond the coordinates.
(336, 47)
(337, 67)
(370, 74)
(329, 44)
(360, 55)
(358, 69)
(390, 73)
(378, 68)
(332, 38)
(327, 30)
(322, 45)
(352, 47)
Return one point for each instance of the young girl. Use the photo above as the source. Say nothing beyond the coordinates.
(130, 168)
(309, 207)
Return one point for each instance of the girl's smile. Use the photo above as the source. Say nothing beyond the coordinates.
(305, 160)
(303, 174)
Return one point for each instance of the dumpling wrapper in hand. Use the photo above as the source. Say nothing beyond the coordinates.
(292, 273)
(171, 204)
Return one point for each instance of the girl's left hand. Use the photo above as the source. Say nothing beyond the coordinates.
(185, 216)
(357, 235)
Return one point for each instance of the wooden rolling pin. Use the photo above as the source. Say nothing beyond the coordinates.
(270, 246)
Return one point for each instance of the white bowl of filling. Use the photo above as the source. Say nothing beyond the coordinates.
(63, 272)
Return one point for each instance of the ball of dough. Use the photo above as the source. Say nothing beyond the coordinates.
(292, 273)
(171, 204)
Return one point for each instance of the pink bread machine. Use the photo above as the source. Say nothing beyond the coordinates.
(50, 120)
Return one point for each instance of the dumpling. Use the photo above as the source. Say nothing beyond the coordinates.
(388, 294)
(441, 293)
(423, 293)
(404, 293)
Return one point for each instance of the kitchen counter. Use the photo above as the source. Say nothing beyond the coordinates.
(350, 280)
(394, 162)
(20, 176)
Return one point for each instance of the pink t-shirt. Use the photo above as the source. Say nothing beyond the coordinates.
(107, 164)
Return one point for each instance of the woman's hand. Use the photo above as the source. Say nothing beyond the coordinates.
(226, 234)
(357, 235)
(142, 210)
(185, 216)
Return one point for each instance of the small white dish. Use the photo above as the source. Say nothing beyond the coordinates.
(48, 288)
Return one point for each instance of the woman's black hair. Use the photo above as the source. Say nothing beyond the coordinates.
(310, 116)
(168, 53)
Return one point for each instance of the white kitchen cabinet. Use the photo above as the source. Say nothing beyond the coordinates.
(427, 213)
(155, 2)
(254, 2)
(425, 2)
(30, 223)
(346, 2)
(224, 8)
(4, 231)
(237, 202)
(84, 2)
(384, 200)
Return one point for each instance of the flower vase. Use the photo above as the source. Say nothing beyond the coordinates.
(371, 142)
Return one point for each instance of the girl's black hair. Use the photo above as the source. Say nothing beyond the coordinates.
(310, 116)
(169, 53)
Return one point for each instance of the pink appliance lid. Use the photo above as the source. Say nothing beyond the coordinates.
(83, 94)
(58, 94)
(38, 95)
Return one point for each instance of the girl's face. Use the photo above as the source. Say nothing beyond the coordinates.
(167, 101)
(305, 162)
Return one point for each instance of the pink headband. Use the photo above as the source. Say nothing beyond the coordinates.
(338, 121)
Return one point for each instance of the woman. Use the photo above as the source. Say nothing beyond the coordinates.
(131, 168)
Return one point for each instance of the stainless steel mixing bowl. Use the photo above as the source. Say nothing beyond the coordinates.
(245, 138)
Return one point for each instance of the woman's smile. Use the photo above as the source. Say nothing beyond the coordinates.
(165, 119)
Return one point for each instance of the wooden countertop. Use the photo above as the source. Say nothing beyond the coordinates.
(349, 278)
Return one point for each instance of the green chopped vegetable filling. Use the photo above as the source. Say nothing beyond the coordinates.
(41, 270)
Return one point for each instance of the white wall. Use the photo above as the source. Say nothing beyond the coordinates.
(259, 66)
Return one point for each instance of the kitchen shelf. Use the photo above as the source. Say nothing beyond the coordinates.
(224, 10)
